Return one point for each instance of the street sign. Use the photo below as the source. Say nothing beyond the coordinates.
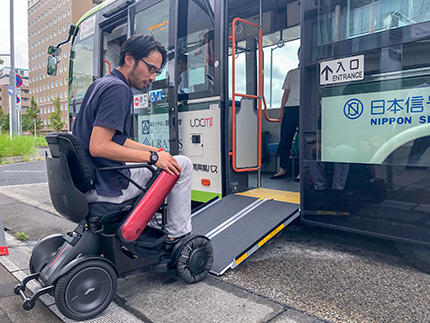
(10, 90)
(18, 80)
(18, 98)
(341, 70)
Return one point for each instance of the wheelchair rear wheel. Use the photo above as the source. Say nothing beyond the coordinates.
(195, 259)
(86, 290)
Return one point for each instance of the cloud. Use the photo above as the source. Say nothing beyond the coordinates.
(20, 32)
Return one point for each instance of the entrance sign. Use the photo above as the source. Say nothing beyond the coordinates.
(368, 127)
(342, 70)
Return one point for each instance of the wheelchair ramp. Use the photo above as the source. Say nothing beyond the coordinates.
(238, 225)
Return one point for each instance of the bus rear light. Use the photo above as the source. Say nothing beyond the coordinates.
(206, 182)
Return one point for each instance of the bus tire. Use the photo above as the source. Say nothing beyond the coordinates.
(419, 256)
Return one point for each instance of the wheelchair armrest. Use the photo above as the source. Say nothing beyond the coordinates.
(155, 173)
(142, 165)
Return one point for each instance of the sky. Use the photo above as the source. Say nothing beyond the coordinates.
(20, 30)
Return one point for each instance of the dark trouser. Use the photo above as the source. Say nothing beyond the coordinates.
(290, 121)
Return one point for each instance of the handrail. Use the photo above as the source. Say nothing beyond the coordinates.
(258, 97)
(267, 115)
(109, 65)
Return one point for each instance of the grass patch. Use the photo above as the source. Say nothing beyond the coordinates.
(20, 145)
(21, 236)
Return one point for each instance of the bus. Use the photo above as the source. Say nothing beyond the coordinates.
(361, 146)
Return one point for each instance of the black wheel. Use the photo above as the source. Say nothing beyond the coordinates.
(27, 305)
(44, 250)
(419, 256)
(195, 260)
(17, 289)
(86, 290)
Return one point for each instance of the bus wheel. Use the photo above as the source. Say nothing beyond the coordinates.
(419, 256)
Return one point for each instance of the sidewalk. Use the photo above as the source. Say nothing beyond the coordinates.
(142, 297)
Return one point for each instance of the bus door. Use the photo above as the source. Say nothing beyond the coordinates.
(259, 59)
(151, 106)
(197, 82)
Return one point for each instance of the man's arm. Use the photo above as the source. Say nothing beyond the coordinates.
(284, 101)
(102, 146)
(129, 143)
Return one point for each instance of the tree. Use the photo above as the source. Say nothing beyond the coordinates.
(4, 120)
(56, 116)
(31, 113)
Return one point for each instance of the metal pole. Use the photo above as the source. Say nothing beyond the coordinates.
(12, 77)
(271, 73)
(261, 27)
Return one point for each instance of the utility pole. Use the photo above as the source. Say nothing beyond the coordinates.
(13, 125)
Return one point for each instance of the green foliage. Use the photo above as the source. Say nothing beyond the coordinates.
(40, 142)
(21, 236)
(19, 145)
(32, 112)
(56, 117)
(4, 121)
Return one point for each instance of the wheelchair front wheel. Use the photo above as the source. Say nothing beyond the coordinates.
(86, 290)
(195, 259)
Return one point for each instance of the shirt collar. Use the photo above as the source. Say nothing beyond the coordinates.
(119, 75)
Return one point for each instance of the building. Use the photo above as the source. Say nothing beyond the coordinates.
(4, 83)
(48, 24)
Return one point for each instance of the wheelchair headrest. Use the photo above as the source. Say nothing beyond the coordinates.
(81, 166)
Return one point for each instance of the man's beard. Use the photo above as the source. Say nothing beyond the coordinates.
(133, 78)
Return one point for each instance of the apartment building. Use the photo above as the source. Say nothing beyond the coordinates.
(4, 83)
(48, 24)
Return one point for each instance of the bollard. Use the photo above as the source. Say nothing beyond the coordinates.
(3, 247)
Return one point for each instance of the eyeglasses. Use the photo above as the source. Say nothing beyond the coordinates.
(152, 68)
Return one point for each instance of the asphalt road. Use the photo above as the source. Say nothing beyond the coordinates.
(23, 173)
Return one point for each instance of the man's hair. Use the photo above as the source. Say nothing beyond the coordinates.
(139, 46)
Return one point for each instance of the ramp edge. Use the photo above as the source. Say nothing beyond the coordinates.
(259, 243)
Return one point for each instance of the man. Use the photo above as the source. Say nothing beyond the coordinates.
(289, 117)
(102, 126)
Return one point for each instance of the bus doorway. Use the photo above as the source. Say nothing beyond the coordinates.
(255, 88)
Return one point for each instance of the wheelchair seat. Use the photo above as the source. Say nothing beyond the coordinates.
(71, 173)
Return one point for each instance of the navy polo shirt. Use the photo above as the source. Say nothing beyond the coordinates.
(107, 103)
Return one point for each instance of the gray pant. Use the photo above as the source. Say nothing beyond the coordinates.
(340, 176)
(178, 200)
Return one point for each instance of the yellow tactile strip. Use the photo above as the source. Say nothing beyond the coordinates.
(264, 193)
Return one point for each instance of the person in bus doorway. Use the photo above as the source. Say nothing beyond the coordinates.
(102, 127)
(289, 115)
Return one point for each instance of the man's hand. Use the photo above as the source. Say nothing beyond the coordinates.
(168, 163)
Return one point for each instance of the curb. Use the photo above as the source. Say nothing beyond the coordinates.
(26, 158)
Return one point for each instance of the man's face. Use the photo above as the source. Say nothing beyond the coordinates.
(144, 70)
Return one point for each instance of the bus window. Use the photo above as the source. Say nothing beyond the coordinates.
(151, 108)
(112, 41)
(196, 48)
(353, 18)
(81, 60)
(279, 59)
(155, 21)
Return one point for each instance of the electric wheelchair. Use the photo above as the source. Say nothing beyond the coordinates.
(80, 268)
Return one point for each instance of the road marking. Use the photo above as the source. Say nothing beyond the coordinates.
(22, 171)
